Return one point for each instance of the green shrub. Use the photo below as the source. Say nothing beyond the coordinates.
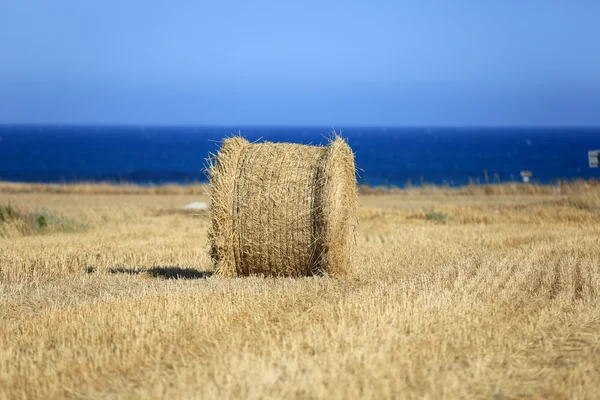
(6, 213)
(436, 216)
(41, 222)
(36, 223)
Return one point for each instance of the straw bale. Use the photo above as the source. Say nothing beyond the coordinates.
(282, 209)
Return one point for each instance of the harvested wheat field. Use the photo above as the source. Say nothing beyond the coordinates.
(478, 292)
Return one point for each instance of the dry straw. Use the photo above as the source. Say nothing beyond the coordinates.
(282, 209)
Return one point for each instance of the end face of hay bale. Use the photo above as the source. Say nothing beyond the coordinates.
(282, 209)
(336, 216)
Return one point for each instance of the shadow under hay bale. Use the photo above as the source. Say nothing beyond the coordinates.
(163, 272)
(282, 209)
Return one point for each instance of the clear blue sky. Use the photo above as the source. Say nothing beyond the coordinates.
(426, 63)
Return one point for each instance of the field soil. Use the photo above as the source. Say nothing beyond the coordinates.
(480, 292)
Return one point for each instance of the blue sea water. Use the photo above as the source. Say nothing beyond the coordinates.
(384, 156)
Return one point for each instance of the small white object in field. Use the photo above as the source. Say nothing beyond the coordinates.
(196, 205)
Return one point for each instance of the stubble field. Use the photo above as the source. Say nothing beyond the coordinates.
(480, 292)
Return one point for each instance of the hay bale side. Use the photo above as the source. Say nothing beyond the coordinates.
(282, 209)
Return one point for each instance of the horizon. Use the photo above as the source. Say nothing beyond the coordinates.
(312, 126)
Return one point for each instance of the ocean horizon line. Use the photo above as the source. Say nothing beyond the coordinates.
(312, 126)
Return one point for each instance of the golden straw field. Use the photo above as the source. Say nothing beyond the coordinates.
(487, 291)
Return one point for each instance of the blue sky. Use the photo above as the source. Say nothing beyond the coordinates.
(406, 63)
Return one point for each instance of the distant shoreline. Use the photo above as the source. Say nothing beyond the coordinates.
(202, 188)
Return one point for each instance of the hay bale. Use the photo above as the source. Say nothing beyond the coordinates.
(282, 209)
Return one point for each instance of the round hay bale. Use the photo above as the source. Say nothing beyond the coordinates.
(282, 209)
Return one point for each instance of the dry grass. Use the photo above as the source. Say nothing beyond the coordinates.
(101, 188)
(497, 299)
(491, 189)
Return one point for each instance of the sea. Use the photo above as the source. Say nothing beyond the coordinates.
(385, 156)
